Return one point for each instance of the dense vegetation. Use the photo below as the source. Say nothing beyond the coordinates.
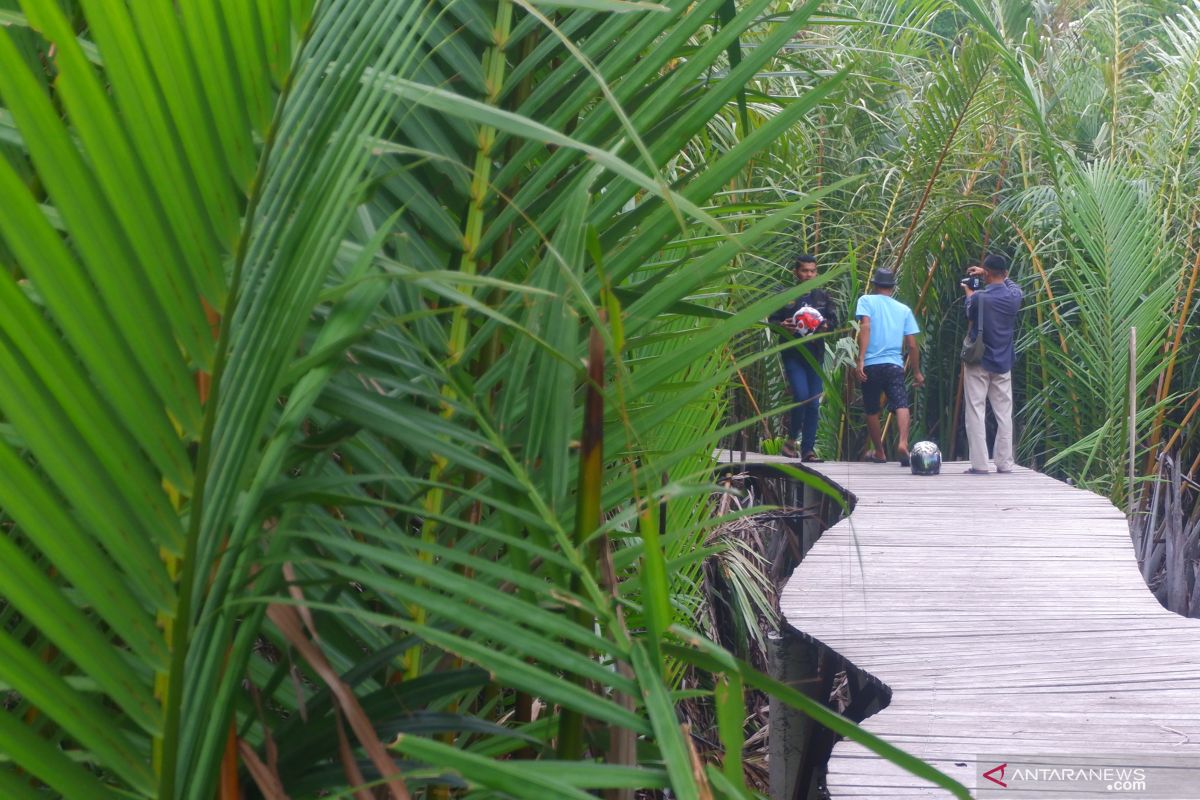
(1063, 134)
(363, 359)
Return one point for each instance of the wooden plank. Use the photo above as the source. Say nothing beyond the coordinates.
(1006, 613)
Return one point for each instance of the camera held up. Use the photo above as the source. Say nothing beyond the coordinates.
(972, 282)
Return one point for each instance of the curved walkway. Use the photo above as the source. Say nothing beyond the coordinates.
(1008, 617)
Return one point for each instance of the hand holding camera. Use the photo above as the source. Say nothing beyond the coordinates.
(974, 280)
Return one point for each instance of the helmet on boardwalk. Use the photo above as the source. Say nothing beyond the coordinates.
(925, 459)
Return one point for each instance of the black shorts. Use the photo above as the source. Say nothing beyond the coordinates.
(884, 379)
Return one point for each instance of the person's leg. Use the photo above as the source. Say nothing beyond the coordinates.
(811, 409)
(975, 388)
(902, 420)
(871, 389)
(1000, 395)
(898, 402)
(793, 371)
(876, 433)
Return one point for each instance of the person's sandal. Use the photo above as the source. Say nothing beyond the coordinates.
(812, 458)
(788, 450)
(871, 458)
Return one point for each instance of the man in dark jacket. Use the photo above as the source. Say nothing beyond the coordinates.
(998, 301)
(802, 376)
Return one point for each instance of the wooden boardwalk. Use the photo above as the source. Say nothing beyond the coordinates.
(1006, 614)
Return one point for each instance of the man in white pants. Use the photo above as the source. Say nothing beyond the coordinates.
(991, 379)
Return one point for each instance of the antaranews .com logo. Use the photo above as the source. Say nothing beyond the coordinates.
(1153, 777)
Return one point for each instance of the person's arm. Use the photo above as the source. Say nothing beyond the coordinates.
(864, 338)
(974, 272)
(778, 315)
(783, 316)
(830, 314)
(914, 359)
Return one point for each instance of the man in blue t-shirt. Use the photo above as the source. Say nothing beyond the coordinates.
(887, 327)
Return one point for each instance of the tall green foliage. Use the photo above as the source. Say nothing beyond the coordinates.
(1064, 136)
(363, 360)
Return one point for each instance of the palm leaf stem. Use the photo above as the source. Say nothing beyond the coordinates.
(1179, 317)
(167, 749)
(588, 516)
(937, 167)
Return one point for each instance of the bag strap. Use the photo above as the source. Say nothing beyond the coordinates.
(979, 316)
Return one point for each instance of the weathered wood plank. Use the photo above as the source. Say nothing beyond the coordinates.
(1005, 612)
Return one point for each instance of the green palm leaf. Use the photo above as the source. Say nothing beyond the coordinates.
(296, 316)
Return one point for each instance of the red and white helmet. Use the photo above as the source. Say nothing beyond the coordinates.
(807, 320)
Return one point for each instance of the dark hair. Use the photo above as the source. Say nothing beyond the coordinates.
(803, 258)
(995, 262)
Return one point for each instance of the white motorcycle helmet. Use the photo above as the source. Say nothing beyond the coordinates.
(807, 319)
(925, 459)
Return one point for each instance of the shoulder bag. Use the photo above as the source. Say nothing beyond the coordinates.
(972, 349)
